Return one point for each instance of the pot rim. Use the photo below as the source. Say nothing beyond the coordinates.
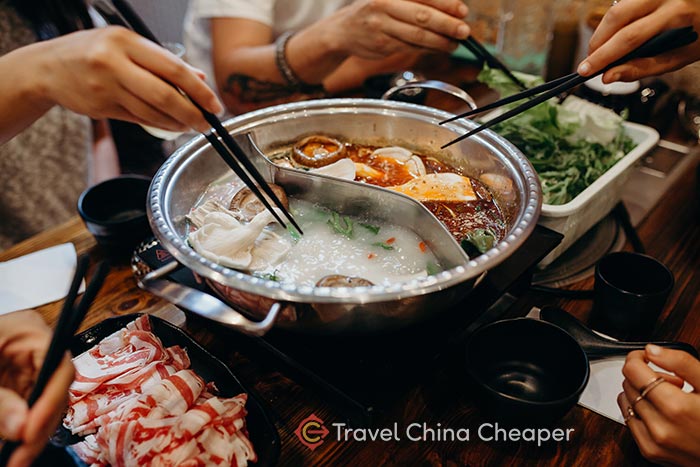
(182, 252)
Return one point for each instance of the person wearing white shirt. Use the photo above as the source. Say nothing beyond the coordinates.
(264, 51)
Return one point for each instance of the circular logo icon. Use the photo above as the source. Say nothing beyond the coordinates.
(311, 432)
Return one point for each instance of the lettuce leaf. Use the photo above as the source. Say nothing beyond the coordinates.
(569, 146)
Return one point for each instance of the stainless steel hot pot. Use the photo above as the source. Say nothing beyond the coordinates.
(253, 305)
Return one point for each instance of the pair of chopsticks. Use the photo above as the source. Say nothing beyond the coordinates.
(491, 60)
(68, 323)
(119, 12)
(667, 40)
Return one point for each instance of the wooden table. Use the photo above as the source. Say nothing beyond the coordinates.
(671, 233)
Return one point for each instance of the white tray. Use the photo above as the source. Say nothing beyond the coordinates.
(576, 217)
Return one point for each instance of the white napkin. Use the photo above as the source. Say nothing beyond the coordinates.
(605, 383)
(37, 278)
(603, 387)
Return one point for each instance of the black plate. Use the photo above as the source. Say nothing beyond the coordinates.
(261, 430)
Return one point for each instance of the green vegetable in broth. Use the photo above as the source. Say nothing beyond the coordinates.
(293, 233)
(269, 276)
(480, 239)
(341, 224)
(431, 268)
(372, 228)
(383, 245)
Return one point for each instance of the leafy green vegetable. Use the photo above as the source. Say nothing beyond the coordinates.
(480, 239)
(432, 268)
(383, 245)
(296, 236)
(499, 81)
(270, 276)
(341, 224)
(372, 228)
(569, 145)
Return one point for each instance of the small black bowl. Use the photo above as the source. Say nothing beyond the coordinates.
(526, 371)
(630, 292)
(114, 211)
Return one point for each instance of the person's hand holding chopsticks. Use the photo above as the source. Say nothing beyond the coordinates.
(259, 59)
(630, 23)
(375, 30)
(103, 73)
(24, 339)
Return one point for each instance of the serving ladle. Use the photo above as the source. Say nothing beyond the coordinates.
(597, 346)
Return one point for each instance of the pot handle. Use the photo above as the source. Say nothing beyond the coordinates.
(433, 84)
(202, 303)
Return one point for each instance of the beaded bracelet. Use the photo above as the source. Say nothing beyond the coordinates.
(281, 59)
(290, 78)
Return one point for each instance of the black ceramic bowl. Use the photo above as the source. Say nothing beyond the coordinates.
(114, 211)
(526, 371)
(630, 292)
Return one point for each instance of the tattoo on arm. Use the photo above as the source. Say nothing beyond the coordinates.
(250, 90)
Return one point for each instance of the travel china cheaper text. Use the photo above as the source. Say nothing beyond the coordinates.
(422, 432)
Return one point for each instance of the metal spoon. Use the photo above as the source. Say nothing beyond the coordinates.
(596, 346)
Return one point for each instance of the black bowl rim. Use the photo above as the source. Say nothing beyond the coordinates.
(556, 328)
(88, 218)
(634, 254)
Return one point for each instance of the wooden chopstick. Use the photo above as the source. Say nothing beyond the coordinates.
(667, 40)
(482, 52)
(68, 323)
(229, 151)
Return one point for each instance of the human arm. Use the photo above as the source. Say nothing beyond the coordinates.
(105, 157)
(24, 339)
(353, 72)
(630, 23)
(666, 423)
(242, 49)
(103, 73)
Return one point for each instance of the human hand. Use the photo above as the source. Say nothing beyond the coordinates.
(115, 73)
(666, 423)
(378, 28)
(24, 339)
(629, 24)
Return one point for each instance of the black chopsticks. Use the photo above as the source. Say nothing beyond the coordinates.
(234, 156)
(668, 40)
(68, 323)
(491, 60)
